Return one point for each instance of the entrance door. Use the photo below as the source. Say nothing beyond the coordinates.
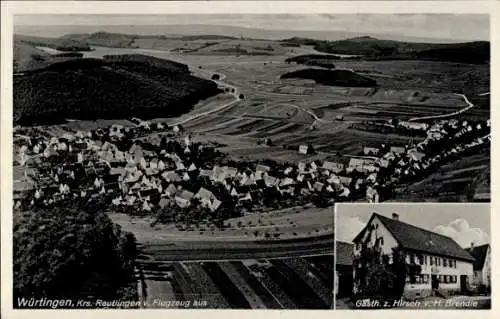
(463, 283)
(434, 282)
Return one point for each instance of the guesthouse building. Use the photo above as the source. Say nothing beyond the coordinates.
(444, 265)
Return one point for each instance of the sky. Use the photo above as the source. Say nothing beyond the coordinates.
(464, 222)
(442, 26)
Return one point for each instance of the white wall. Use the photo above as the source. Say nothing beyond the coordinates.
(463, 268)
(486, 273)
(381, 231)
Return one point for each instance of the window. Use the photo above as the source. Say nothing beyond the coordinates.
(411, 279)
(358, 246)
(445, 279)
(431, 261)
(454, 279)
(425, 260)
(425, 279)
(420, 259)
(445, 264)
(455, 264)
(381, 240)
(438, 261)
(376, 226)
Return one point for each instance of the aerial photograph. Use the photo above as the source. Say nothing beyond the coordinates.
(194, 161)
(413, 256)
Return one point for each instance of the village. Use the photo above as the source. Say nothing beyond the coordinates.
(178, 180)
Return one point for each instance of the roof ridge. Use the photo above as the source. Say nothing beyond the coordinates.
(343, 242)
(478, 246)
(420, 228)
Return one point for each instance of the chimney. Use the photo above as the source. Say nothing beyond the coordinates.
(471, 244)
(395, 216)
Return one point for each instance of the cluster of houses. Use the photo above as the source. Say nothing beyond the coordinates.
(82, 165)
(444, 266)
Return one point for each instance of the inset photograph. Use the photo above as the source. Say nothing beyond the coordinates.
(413, 256)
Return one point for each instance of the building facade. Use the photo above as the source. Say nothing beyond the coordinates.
(444, 265)
(482, 265)
(344, 274)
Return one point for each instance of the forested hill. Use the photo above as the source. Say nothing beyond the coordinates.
(113, 87)
(477, 52)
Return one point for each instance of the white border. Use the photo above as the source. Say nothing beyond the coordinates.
(213, 7)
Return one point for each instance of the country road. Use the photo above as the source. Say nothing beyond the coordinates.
(465, 109)
(220, 83)
(316, 118)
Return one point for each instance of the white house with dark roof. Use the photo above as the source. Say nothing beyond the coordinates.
(205, 196)
(183, 198)
(305, 149)
(445, 266)
(302, 166)
(397, 150)
(361, 164)
(171, 190)
(333, 167)
(371, 151)
(262, 168)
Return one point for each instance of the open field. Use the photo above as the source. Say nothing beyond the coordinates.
(250, 284)
(284, 110)
(291, 223)
(291, 112)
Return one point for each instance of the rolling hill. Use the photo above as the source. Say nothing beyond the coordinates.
(371, 48)
(113, 87)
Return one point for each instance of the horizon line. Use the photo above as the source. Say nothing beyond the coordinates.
(375, 35)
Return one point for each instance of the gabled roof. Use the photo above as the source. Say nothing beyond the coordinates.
(205, 194)
(171, 176)
(262, 168)
(344, 253)
(397, 149)
(360, 161)
(479, 253)
(419, 239)
(148, 192)
(332, 166)
(171, 189)
(185, 194)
